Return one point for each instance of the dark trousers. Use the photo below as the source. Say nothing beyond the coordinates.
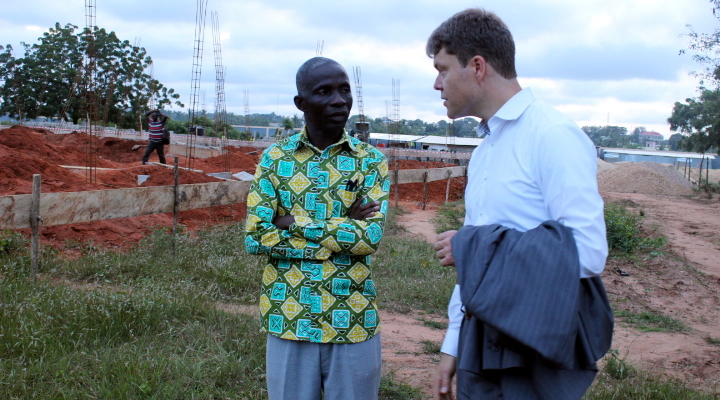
(155, 146)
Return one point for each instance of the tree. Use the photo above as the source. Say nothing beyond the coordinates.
(675, 141)
(635, 136)
(700, 118)
(49, 79)
(607, 136)
(707, 47)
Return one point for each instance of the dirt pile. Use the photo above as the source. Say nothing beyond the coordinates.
(644, 177)
(26, 151)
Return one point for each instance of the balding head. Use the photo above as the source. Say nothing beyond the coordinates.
(301, 80)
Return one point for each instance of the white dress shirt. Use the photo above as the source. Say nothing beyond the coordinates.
(534, 165)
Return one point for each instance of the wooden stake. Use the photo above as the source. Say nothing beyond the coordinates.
(35, 224)
(175, 202)
(425, 188)
(397, 186)
(447, 189)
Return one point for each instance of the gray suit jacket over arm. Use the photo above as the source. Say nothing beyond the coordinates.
(529, 306)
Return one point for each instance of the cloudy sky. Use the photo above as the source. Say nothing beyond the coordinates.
(599, 61)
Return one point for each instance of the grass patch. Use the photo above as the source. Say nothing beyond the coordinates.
(713, 341)
(393, 389)
(434, 324)
(652, 322)
(619, 380)
(450, 216)
(409, 277)
(430, 347)
(625, 233)
(62, 342)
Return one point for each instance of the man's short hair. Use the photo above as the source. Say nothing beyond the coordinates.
(476, 32)
(309, 65)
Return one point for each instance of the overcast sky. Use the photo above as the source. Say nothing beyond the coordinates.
(599, 61)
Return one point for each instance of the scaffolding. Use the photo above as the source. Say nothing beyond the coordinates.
(194, 129)
(90, 72)
(220, 115)
(450, 135)
(394, 126)
(246, 100)
(362, 127)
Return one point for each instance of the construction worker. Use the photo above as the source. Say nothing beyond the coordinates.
(156, 127)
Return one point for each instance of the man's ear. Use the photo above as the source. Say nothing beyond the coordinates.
(299, 102)
(479, 66)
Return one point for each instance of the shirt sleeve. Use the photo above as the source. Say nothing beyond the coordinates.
(567, 175)
(262, 236)
(346, 235)
(455, 315)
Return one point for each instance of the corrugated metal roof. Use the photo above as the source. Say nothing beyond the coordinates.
(400, 138)
(454, 141)
(428, 139)
(657, 153)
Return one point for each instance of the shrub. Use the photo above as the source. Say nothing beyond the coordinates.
(623, 229)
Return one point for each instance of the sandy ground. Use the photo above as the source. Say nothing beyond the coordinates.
(683, 283)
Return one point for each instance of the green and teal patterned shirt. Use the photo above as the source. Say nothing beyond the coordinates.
(317, 285)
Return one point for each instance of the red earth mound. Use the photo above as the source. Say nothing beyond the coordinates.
(26, 151)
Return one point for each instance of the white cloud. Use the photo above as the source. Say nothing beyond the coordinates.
(588, 58)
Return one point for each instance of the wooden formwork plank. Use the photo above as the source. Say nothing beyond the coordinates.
(97, 205)
(434, 174)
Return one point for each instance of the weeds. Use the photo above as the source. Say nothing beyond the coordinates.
(430, 347)
(652, 322)
(619, 380)
(624, 232)
(450, 217)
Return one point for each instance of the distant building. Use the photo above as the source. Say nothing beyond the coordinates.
(425, 142)
(651, 140)
(676, 158)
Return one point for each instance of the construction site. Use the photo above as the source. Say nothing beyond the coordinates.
(89, 185)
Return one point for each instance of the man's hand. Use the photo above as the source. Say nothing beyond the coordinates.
(360, 212)
(442, 384)
(443, 246)
(284, 222)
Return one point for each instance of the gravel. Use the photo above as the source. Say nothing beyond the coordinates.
(643, 177)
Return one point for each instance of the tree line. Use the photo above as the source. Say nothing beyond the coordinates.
(699, 117)
(51, 78)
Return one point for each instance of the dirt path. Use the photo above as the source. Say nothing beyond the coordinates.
(682, 283)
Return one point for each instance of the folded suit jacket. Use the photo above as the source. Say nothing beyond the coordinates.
(529, 308)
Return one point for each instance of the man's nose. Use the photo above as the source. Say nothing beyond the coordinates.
(337, 98)
(438, 84)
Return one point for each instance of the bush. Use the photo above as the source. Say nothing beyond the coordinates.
(11, 242)
(623, 229)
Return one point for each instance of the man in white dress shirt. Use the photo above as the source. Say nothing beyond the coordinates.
(533, 165)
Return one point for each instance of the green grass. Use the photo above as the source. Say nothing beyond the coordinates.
(652, 322)
(713, 341)
(430, 347)
(393, 389)
(62, 342)
(145, 324)
(409, 276)
(450, 216)
(434, 324)
(620, 380)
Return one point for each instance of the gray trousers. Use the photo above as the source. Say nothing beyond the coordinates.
(300, 370)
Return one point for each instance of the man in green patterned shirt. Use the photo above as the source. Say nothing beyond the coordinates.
(317, 209)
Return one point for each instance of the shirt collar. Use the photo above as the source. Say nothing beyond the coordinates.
(511, 110)
(302, 140)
